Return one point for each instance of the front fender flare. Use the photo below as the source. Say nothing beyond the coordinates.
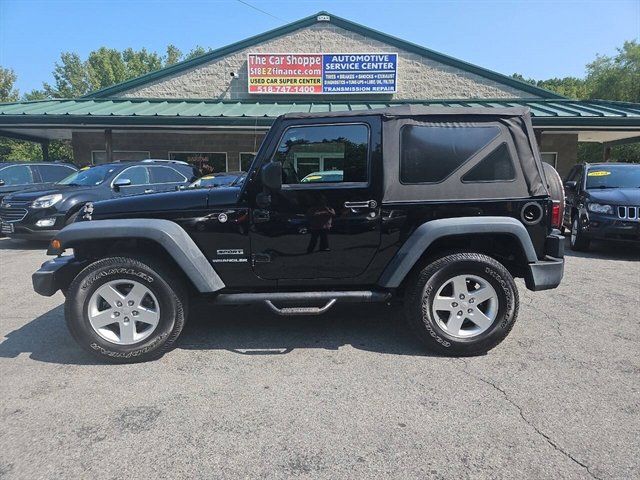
(427, 233)
(168, 234)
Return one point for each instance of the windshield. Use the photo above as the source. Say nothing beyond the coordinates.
(613, 176)
(213, 181)
(88, 176)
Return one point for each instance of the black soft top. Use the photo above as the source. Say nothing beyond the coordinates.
(516, 131)
(416, 110)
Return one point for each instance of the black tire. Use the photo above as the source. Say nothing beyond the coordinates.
(578, 242)
(423, 289)
(154, 275)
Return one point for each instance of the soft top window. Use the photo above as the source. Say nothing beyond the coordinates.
(497, 166)
(430, 153)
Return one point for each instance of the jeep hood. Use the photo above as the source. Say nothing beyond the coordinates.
(191, 199)
(615, 196)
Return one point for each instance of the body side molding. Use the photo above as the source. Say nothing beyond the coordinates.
(170, 235)
(428, 232)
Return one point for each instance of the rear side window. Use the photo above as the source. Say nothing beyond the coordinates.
(497, 166)
(429, 154)
(54, 173)
(16, 175)
(166, 175)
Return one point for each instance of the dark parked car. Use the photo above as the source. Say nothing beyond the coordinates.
(223, 179)
(16, 176)
(40, 213)
(437, 208)
(603, 203)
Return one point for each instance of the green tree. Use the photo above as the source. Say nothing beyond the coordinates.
(70, 77)
(173, 55)
(8, 92)
(616, 78)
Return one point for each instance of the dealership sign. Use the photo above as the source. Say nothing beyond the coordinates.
(322, 73)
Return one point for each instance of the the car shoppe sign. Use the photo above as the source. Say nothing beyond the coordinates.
(322, 73)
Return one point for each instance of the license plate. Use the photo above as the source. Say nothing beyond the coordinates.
(7, 228)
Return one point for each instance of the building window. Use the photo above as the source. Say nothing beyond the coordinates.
(100, 156)
(429, 154)
(326, 153)
(207, 162)
(245, 160)
(550, 157)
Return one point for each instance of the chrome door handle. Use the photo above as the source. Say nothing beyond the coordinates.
(364, 204)
(149, 191)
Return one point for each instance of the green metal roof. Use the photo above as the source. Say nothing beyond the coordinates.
(339, 22)
(60, 112)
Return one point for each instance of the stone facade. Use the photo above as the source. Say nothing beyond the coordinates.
(419, 78)
(565, 145)
(159, 145)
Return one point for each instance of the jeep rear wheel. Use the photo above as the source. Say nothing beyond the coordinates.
(462, 304)
(123, 310)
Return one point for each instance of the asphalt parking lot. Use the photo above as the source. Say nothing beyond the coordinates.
(348, 395)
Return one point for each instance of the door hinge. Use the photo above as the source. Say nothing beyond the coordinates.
(260, 258)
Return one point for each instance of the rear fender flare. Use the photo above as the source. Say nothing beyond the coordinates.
(171, 236)
(427, 233)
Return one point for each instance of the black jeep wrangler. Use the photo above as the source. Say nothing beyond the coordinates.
(437, 208)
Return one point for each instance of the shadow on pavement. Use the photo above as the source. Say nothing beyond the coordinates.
(607, 251)
(46, 339)
(244, 330)
(11, 244)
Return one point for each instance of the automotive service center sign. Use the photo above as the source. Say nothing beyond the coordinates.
(322, 73)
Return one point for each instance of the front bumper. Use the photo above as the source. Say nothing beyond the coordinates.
(26, 227)
(547, 274)
(608, 227)
(56, 274)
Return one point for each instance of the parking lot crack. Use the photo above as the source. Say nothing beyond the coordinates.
(546, 437)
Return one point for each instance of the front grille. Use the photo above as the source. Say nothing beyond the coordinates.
(12, 214)
(629, 213)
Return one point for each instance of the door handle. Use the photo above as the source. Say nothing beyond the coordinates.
(149, 191)
(363, 204)
(261, 216)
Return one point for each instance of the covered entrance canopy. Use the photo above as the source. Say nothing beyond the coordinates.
(604, 122)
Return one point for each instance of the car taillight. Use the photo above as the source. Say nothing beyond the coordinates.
(556, 214)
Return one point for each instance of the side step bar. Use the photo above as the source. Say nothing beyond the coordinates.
(304, 299)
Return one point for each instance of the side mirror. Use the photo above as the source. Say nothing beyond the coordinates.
(271, 175)
(571, 185)
(2, 183)
(121, 182)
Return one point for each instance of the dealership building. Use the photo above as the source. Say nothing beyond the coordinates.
(215, 109)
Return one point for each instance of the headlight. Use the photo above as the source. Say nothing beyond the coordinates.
(599, 208)
(46, 201)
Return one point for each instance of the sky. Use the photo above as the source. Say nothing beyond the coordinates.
(539, 39)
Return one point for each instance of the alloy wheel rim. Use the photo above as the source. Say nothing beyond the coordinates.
(574, 231)
(123, 312)
(465, 306)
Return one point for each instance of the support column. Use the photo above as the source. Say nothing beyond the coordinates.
(45, 150)
(108, 145)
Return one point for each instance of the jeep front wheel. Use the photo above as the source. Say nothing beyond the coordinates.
(123, 310)
(462, 304)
